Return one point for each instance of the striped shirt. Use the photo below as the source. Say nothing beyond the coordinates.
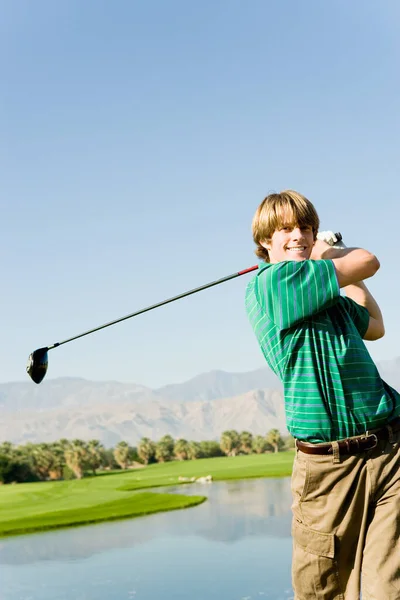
(311, 337)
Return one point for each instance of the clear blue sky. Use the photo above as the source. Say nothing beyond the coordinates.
(138, 138)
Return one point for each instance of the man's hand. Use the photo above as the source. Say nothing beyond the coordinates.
(325, 246)
(331, 238)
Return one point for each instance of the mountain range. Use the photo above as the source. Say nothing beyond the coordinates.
(198, 409)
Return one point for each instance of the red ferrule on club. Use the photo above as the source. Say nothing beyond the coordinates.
(248, 270)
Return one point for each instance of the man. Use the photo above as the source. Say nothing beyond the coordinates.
(345, 419)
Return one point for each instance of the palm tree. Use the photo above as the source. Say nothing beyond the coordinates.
(7, 448)
(56, 471)
(274, 439)
(76, 457)
(63, 444)
(194, 450)
(181, 449)
(121, 454)
(43, 459)
(246, 441)
(146, 450)
(259, 444)
(210, 449)
(165, 448)
(162, 452)
(95, 455)
(230, 442)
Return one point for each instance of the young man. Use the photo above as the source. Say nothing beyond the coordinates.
(346, 420)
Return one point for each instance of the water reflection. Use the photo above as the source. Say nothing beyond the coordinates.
(258, 508)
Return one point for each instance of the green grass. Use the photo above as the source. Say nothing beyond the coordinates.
(221, 469)
(30, 507)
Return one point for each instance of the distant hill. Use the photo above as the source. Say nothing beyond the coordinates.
(256, 411)
(69, 392)
(110, 411)
(220, 384)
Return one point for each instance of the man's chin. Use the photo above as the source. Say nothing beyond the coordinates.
(298, 257)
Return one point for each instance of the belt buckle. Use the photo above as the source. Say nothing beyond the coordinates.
(373, 435)
(357, 442)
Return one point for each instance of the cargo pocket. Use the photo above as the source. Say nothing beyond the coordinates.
(314, 568)
(299, 484)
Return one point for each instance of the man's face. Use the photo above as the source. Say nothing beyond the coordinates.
(290, 242)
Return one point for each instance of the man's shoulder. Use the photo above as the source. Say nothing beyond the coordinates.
(277, 272)
(272, 277)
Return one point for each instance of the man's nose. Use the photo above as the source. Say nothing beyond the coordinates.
(297, 233)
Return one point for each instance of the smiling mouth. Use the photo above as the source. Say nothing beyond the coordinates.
(297, 249)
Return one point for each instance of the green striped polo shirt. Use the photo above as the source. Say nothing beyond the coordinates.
(311, 337)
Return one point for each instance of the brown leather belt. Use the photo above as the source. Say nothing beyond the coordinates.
(353, 445)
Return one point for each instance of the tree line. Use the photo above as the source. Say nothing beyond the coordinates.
(74, 459)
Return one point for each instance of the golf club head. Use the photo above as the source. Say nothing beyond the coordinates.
(37, 365)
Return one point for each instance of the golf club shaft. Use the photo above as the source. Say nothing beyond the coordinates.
(153, 306)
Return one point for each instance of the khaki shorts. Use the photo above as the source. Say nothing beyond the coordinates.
(346, 525)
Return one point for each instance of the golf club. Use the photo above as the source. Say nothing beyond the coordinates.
(38, 360)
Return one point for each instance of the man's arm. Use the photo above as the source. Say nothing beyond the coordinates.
(361, 294)
(352, 265)
(348, 263)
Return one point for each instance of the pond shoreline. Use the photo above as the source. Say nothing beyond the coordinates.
(36, 507)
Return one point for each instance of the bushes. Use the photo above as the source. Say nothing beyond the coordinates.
(15, 471)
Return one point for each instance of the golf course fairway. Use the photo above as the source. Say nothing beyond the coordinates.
(32, 507)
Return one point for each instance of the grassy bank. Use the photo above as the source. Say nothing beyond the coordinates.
(30, 507)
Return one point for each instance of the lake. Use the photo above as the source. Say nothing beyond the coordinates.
(234, 546)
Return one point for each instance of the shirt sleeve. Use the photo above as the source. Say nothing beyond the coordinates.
(292, 291)
(358, 314)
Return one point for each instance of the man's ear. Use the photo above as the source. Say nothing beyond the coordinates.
(266, 244)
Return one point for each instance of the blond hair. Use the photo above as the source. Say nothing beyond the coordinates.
(286, 208)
